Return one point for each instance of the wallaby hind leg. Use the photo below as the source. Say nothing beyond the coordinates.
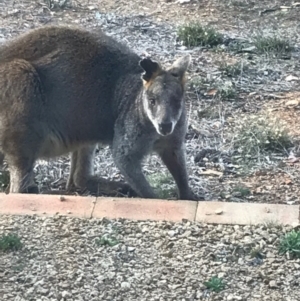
(21, 150)
(82, 175)
(21, 175)
(82, 167)
(21, 127)
(174, 159)
(73, 164)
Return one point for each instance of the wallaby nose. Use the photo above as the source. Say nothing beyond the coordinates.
(165, 128)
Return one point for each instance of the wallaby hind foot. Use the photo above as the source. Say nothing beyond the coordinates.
(98, 186)
(82, 176)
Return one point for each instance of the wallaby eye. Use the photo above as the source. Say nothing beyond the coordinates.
(174, 74)
(152, 102)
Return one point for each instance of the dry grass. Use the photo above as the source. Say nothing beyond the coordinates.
(260, 134)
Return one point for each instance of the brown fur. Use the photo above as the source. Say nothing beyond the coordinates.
(64, 89)
(148, 83)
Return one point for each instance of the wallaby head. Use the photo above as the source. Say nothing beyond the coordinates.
(163, 96)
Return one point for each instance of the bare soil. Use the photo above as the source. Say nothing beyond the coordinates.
(263, 86)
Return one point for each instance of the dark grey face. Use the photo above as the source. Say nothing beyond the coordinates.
(163, 102)
(163, 96)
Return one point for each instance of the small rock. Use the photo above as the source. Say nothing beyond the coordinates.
(171, 233)
(66, 294)
(291, 78)
(187, 233)
(43, 291)
(272, 284)
(30, 290)
(221, 275)
(241, 261)
(270, 255)
(230, 297)
(125, 285)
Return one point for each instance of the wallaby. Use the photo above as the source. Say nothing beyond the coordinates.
(64, 89)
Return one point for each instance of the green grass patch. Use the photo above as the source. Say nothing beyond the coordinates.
(227, 92)
(195, 34)
(272, 44)
(10, 242)
(290, 243)
(241, 191)
(163, 185)
(107, 240)
(215, 284)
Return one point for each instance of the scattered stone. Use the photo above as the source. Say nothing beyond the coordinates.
(272, 284)
(179, 266)
(291, 78)
(171, 233)
(125, 285)
(66, 294)
(293, 102)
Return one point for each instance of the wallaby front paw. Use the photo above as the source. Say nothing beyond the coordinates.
(126, 190)
(33, 189)
(100, 186)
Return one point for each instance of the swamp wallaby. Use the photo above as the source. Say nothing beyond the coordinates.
(64, 89)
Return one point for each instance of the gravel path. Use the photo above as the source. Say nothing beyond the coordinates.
(61, 260)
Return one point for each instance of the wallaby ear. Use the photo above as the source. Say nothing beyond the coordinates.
(151, 69)
(180, 66)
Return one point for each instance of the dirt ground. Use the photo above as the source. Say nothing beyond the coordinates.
(266, 85)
